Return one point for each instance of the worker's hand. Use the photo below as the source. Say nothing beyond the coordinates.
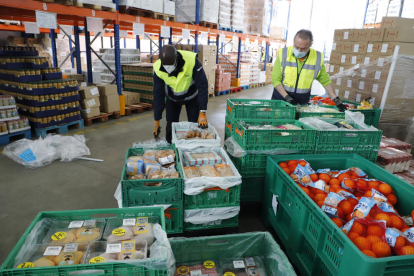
(202, 120)
(339, 104)
(157, 129)
(290, 100)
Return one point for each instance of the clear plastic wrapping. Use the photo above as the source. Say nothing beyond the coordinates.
(141, 229)
(208, 171)
(42, 152)
(224, 170)
(151, 144)
(100, 252)
(183, 139)
(243, 266)
(234, 149)
(74, 231)
(209, 215)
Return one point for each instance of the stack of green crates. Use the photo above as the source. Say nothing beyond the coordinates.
(138, 193)
(252, 167)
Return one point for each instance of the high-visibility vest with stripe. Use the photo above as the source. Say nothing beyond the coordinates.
(310, 70)
(180, 84)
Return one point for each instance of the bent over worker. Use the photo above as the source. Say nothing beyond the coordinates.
(295, 69)
(179, 79)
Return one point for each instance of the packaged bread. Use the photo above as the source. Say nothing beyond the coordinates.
(151, 166)
(155, 175)
(203, 157)
(137, 176)
(171, 174)
(208, 171)
(150, 154)
(100, 252)
(80, 231)
(191, 172)
(165, 157)
(224, 170)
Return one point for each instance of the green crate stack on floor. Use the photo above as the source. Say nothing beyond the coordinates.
(252, 167)
(137, 78)
(209, 202)
(166, 192)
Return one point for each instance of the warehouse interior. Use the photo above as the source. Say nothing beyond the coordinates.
(206, 137)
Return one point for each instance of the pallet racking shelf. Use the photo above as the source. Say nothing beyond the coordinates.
(25, 10)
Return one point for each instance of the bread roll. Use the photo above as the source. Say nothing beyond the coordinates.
(127, 236)
(44, 261)
(85, 234)
(68, 258)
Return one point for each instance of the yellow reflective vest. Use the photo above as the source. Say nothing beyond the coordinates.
(180, 84)
(295, 81)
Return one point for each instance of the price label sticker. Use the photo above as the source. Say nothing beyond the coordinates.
(343, 57)
(250, 261)
(331, 68)
(363, 73)
(76, 224)
(369, 48)
(119, 231)
(114, 248)
(333, 46)
(142, 220)
(128, 245)
(97, 260)
(361, 85)
(58, 236)
(52, 251)
(196, 273)
(358, 97)
(89, 222)
(356, 48)
(346, 96)
(186, 34)
(26, 265)
(366, 61)
(349, 83)
(384, 48)
(238, 264)
(377, 75)
(209, 264)
(71, 247)
(129, 222)
(338, 81)
(375, 88)
(346, 35)
(381, 62)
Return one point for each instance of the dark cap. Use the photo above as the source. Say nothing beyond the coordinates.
(168, 55)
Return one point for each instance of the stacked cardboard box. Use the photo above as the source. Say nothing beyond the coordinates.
(257, 15)
(138, 78)
(224, 16)
(207, 54)
(223, 80)
(254, 71)
(269, 69)
(90, 103)
(244, 68)
(237, 15)
(208, 10)
(131, 98)
(108, 97)
(364, 73)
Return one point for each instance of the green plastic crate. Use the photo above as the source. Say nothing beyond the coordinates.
(369, 154)
(231, 222)
(252, 189)
(372, 116)
(214, 197)
(253, 139)
(174, 218)
(200, 249)
(228, 127)
(313, 242)
(352, 139)
(137, 192)
(340, 115)
(123, 269)
(259, 109)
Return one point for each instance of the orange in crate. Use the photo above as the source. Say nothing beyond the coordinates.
(392, 199)
(362, 243)
(385, 189)
(381, 249)
(407, 250)
(358, 228)
(373, 239)
(382, 216)
(338, 222)
(375, 230)
(369, 253)
(396, 222)
(352, 235)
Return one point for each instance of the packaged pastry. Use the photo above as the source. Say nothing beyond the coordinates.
(165, 157)
(131, 228)
(249, 266)
(171, 174)
(150, 154)
(42, 255)
(205, 268)
(68, 231)
(203, 157)
(224, 170)
(103, 252)
(208, 171)
(155, 175)
(151, 166)
(137, 176)
(191, 172)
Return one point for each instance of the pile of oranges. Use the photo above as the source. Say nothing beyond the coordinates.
(370, 237)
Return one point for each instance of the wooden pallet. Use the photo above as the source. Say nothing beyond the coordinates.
(62, 2)
(208, 24)
(5, 139)
(42, 132)
(146, 13)
(103, 117)
(137, 108)
(234, 89)
(93, 6)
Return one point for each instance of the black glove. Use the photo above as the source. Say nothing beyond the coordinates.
(339, 104)
(290, 100)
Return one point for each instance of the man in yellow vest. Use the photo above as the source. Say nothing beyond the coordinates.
(179, 79)
(295, 69)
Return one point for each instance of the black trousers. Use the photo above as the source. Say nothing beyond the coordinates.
(174, 110)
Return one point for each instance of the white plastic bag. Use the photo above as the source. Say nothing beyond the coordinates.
(42, 152)
(197, 185)
(151, 144)
(201, 216)
(193, 143)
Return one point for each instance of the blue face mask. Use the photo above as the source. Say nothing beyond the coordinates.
(299, 54)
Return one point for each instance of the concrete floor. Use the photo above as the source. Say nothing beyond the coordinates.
(91, 185)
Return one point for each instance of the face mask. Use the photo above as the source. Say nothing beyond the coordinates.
(169, 68)
(299, 54)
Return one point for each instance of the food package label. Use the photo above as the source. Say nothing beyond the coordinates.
(363, 208)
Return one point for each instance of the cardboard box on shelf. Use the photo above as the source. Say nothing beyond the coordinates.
(359, 35)
(89, 92)
(110, 103)
(374, 48)
(376, 34)
(339, 34)
(131, 97)
(360, 47)
(31, 41)
(347, 47)
(388, 48)
(399, 34)
(72, 76)
(393, 22)
(169, 7)
(107, 89)
(90, 112)
(335, 58)
(91, 102)
(12, 40)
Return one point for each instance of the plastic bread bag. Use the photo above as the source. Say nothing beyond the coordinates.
(235, 150)
(357, 118)
(249, 266)
(44, 255)
(202, 156)
(137, 176)
(150, 154)
(151, 144)
(165, 157)
(192, 172)
(188, 135)
(196, 185)
(208, 171)
(103, 252)
(135, 165)
(155, 175)
(207, 268)
(269, 258)
(151, 166)
(224, 170)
